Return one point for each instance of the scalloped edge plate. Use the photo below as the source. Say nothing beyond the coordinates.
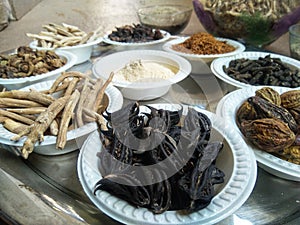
(227, 108)
(217, 65)
(75, 137)
(236, 191)
(168, 47)
(13, 83)
(166, 35)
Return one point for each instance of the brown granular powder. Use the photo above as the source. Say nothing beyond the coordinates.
(204, 44)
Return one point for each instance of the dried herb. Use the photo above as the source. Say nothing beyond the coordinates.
(182, 147)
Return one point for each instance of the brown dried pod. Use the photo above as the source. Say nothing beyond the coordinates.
(290, 154)
(266, 109)
(269, 94)
(290, 99)
(268, 134)
(245, 112)
(296, 114)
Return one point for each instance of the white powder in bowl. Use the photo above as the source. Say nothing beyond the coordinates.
(141, 71)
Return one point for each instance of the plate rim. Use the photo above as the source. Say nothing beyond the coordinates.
(224, 195)
(289, 171)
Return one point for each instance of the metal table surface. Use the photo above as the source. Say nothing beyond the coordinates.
(46, 189)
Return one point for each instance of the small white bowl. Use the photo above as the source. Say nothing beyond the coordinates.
(142, 90)
(199, 61)
(83, 51)
(17, 83)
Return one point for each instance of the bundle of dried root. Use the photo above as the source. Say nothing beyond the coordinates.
(55, 36)
(35, 114)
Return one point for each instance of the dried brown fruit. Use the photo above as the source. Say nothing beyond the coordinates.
(269, 94)
(245, 112)
(266, 109)
(290, 154)
(290, 99)
(268, 134)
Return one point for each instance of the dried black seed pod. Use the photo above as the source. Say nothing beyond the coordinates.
(263, 71)
(135, 33)
(183, 148)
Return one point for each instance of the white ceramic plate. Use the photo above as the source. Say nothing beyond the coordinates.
(17, 83)
(217, 65)
(82, 51)
(75, 137)
(227, 109)
(141, 90)
(235, 160)
(166, 35)
(168, 47)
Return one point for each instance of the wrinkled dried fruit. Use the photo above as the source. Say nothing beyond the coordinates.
(269, 94)
(245, 112)
(290, 99)
(296, 113)
(268, 134)
(290, 154)
(266, 109)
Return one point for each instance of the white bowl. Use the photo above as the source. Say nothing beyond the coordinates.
(17, 83)
(199, 61)
(217, 65)
(228, 107)
(75, 137)
(235, 160)
(142, 90)
(83, 51)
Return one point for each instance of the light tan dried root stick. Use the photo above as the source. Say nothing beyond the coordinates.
(13, 126)
(71, 28)
(51, 34)
(22, 133)
(96, 117)
(92, 95)
(16, 116)
(102, 91)
(50, 28)
(44, 44)
(89, 115)
(87, 118)
(27, 111)
(62, 86)
(84, 94)
(40, 37)
(32, 117)
(95, 34)
(61, 30)
(17, 103)
(65, 120)
(3, 118)
(63, 76)
(41, 124)
(69, 40)
(72, 86)
(32, 95)
(54, 127)
(86, 38)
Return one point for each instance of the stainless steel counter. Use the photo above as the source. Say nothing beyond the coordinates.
(46, 189)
